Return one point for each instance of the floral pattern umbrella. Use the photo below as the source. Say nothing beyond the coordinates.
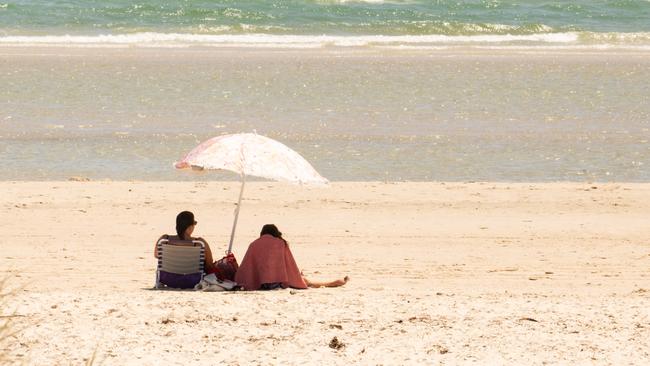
(250, 154)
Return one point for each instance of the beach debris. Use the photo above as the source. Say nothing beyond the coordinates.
(91, 360)
(438, 349)
(79, 179)
(336, 344)
(529, 319)
(337, 326)
(507, 269)
(292, 292)
(167, 321)
(422, 319)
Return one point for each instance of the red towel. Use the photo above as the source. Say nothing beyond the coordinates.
(269, 260)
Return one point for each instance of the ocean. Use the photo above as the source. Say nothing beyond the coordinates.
(523, 91)
(321, 23)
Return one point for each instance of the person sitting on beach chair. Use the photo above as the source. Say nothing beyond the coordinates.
(269, 264)
(185, 225)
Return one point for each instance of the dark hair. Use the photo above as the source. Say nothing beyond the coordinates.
(184, 220)
(270, 229)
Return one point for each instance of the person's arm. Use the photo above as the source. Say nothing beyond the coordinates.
(155, 246)
(209, 261)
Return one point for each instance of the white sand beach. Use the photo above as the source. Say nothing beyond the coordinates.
(441, 273)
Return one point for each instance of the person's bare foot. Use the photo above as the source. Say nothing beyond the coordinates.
(335, 283)
(342, 282)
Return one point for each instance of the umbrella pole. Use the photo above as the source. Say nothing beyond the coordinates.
(234, 224)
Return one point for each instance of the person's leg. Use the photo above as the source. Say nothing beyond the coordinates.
(335, 283)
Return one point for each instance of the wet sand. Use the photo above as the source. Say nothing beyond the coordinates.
(356, 114)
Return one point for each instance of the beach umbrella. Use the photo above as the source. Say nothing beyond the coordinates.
(250, 154)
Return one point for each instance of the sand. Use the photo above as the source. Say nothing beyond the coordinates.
(450, 273)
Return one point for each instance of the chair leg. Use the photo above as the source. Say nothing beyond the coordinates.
(158, 285)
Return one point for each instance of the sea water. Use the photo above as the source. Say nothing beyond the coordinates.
(365, 90)
(303, 21)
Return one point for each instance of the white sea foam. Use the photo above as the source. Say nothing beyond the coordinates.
(281, 40)
(397, 2)
(362, 1)
(595, 40)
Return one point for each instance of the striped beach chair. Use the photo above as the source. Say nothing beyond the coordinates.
(180, 264)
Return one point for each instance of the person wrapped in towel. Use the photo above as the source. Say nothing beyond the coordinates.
(268, 264)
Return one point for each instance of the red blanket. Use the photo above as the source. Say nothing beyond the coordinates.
(269, 260)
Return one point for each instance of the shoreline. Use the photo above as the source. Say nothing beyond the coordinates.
(487, 51)
(82, 179)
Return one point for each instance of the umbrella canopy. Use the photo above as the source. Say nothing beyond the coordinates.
(251, 154)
